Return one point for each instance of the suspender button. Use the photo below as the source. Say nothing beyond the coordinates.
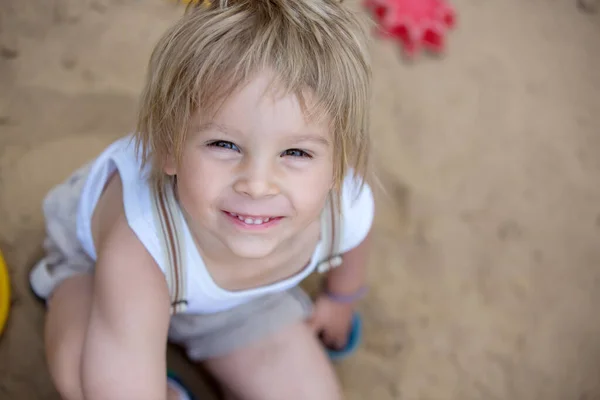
(335, 261)
(328, 264)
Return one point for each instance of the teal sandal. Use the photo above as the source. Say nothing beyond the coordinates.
(175, 383)
(354, 340)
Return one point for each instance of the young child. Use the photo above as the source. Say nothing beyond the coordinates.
(244, 176)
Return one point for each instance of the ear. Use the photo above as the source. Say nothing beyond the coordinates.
(170, 166)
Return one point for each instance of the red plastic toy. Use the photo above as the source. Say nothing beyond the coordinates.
(417, 24)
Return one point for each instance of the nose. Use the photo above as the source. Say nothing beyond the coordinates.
(256, 180)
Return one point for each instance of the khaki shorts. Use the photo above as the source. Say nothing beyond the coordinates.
(202, 336)
(214, 335)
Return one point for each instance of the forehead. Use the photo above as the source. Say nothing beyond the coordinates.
(262, 105)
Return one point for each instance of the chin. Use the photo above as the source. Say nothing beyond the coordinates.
(251, 249)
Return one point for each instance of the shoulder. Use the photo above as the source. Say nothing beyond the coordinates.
(125, 204)
(358, 211)
(115, 240)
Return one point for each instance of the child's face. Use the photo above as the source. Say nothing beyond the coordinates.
(258, 173)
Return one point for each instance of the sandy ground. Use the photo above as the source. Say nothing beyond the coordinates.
(486, 269)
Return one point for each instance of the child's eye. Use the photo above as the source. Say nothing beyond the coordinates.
(296, 153)
(224, 145)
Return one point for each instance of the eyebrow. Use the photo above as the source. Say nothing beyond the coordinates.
(234, 132)
(222, 128)
(312, 138)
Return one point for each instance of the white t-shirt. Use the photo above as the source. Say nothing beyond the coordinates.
(203, 294)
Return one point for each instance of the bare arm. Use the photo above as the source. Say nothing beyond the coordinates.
(332, 319)
(358, 213)
(124, 355)
(333, 313)
(352, 275)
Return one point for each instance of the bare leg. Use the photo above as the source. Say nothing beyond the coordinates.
(172, 394)
(227, 395)
(66, 327)
(289, 365)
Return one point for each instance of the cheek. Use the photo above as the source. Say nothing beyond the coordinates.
(310, 192)
(199, 183)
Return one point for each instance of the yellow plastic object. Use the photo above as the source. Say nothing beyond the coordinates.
(4, 293)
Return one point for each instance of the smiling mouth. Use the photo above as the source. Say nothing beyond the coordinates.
(252, 220)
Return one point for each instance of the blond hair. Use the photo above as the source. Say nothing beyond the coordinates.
(311, 45)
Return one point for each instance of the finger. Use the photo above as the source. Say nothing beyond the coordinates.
(314, 324)
(341, 341)
(337, 340)
(315, 321)
(329, 340)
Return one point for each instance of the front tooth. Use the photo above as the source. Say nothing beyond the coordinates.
(252, 221)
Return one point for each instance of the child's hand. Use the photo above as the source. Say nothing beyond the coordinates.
(332, 322)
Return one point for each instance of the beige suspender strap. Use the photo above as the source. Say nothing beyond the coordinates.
(331, 229)
(166, 213)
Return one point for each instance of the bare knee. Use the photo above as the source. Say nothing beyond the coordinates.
(66, 379)
(64, 363)
(66, 327)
